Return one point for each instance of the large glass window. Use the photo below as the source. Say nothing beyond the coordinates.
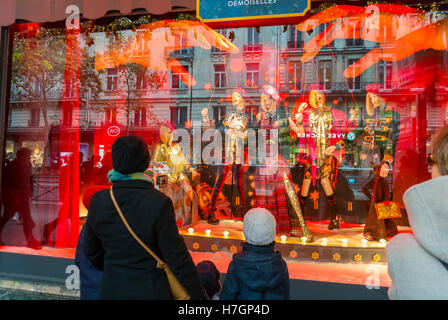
(295, 38)
(295, 75)
(367, 101)
(325, 73)
(220, 76)
(176, 82)
(252, 74)
(354, 83)
(112, 79)
(219, 113)
(179, 115)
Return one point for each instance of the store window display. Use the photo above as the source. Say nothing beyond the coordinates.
(331, 150)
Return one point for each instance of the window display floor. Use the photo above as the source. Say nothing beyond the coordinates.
(339, 245)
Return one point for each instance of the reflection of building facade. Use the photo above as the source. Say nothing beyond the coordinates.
(268, 55)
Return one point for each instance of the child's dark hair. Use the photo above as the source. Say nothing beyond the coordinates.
(210, 277)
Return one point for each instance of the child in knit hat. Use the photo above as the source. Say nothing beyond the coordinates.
(258, 272)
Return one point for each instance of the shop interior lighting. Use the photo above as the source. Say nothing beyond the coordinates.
(364, 243)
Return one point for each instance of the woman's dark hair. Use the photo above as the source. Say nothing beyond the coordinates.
(439, 148)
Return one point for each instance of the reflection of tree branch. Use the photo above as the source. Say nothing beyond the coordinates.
(136, 80)
(39, 66)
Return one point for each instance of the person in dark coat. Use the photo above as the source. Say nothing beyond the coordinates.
(17, 193)
(258, 272)
(90, 276)
(129, 272)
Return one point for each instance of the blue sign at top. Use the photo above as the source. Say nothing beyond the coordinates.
(228, 10)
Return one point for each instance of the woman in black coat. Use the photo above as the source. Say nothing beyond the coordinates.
(129, 272)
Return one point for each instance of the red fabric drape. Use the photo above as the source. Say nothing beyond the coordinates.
(68, 217)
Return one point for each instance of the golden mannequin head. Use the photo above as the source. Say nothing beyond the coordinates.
(268, 104)
(372, 101)
(269, 99)
(317, 98)
(165, 134)
(238, 101)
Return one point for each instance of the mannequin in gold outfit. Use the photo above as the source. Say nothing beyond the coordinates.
(235, 124)
(179, 188)
(312, 127)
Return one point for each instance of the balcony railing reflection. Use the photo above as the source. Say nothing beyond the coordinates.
(296, 44)
(337, 87)
(252, 47)
(215, 50)
(33, 124)
(183, 52)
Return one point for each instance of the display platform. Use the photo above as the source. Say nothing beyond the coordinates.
(339, 245)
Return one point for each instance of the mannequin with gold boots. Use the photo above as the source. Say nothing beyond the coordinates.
(313, 128)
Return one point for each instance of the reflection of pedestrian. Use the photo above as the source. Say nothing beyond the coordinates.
(100, 174)
(87, 170)
(17, 192)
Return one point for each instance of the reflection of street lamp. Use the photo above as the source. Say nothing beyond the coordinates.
(87, 95)
(191, 86)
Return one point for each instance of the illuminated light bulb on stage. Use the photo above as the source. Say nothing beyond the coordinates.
(383, 242)
(190, 230)
(344, 242)
(226, 234)
(283, 238)
(303, 240)
(324, 241)
(207, 232)
(364, 242)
